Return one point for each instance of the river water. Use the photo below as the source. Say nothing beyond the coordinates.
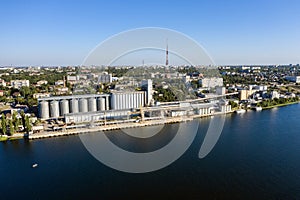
(256, 157)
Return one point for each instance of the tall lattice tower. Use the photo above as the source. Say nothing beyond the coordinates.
(167, 55)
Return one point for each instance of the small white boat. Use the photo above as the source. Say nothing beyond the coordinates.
(34, 165)
(258, 108)
(239, 111)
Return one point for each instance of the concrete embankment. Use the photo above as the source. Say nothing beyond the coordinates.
(76, 131)
(107, 127)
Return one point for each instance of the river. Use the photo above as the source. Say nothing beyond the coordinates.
(257, 156)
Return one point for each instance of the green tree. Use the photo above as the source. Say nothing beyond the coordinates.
(23, 118)
(31, 102)
(20, 100)
(28, 125)
(15, 120)
(11, 127)
(25, 91)
(3, 124)
(233, 104)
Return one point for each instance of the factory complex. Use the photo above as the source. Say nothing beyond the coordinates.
(127, 105)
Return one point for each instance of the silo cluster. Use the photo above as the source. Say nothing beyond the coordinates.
(55, 107)
(127, 100)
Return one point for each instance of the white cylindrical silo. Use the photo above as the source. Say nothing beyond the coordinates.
(134, 97)
(124, 96)
(126, 101)
(101, 104)
(54, 109)
(64, 107)
(44, 109)
(113, 101)
(83, 105)
(107, 103)
(92, 104)
(139, 100)
(118, 102)
(144, 99)
(98, 103)
(74, 107)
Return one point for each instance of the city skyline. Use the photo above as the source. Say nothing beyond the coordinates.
(233, 33)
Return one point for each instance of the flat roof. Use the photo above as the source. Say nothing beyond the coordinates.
(73, 97)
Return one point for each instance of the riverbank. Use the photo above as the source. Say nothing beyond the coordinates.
(109, 127)
(3, 138)
(14, 137)
(280, 105)
(119, 126)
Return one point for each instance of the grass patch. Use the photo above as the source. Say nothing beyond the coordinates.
(3, 139)
(279, 105)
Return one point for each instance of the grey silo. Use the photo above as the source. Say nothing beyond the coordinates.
(44, 109)
(107, 103)
(101, 103)
(98, 103)
(113, 101)
(92, 104)
(54, 109)
(134, 98)
(74, 107)
(83, 105)
(64, 107)
(127, 100)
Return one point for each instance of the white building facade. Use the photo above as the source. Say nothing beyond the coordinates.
(19, 83)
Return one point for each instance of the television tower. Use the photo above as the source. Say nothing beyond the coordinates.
(167, 55)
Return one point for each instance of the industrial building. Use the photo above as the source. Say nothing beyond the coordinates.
(211, 82)
(121, 105)
(62, 106)
(96, 116)
(147, 86)
(58, 106)
(220, 90)
(19, 83)
(127, 100)
(105, 78)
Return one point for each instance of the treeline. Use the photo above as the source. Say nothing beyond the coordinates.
(277, 101)
(206, 71)
(50, 76)
(247, 80)
(164, 95)
(117, 72)
(23, 96)
(10, 125)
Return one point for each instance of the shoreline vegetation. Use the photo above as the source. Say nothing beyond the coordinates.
(11, 138)
(4, 138)
(280, 105)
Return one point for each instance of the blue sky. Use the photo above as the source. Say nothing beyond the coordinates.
(63, 32)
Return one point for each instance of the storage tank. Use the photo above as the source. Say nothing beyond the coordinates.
(102, 104)
(83, 105)
(74, 106)
(44, 109)
(92, 104)
(107, 103)
(113, 101)
(64, 107)
(98, 103)
(54, 109)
